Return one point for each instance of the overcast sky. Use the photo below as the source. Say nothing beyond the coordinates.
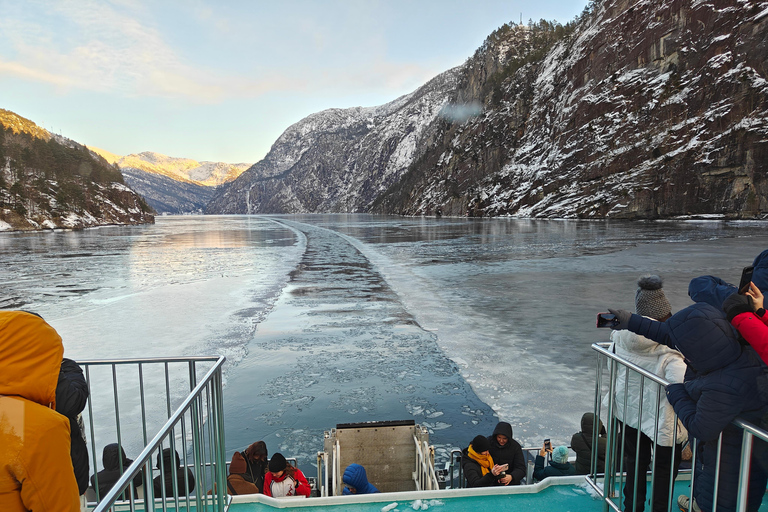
(221, 80)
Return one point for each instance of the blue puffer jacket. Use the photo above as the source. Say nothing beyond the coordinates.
(724, 380)
(355, 476)
(714, 291)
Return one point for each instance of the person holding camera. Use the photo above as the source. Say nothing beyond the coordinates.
(478, 466)
(505, 450)
(658, 419)
(559, 466)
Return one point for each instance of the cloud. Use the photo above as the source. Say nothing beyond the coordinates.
(118, 47)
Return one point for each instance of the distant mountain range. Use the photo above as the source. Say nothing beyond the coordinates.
(635, 110)
(173, 185)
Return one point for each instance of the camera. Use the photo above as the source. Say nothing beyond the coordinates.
(607, 320)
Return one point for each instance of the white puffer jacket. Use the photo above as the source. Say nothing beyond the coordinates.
(661, 360)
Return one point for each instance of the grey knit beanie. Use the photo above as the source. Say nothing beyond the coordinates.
(650, 300)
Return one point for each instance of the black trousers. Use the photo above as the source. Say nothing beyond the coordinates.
(662, 467)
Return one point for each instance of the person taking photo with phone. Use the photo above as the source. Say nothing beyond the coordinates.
(559, 466)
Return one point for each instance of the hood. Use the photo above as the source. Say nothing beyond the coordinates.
(167, 459)
(760, 274)
(257, 451)
(110, 457)
(588, 423)
(355, 476)
(710, 289)
(502, 428)
(30, 357)
(704, 336)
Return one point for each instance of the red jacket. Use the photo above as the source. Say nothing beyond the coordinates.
(286, 486)
(754, 329)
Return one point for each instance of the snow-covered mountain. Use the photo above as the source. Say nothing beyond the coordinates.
(637, 109)
(48, 181)
(170, 184)
(339, 160)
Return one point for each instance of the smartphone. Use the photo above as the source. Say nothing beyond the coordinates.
(746, 278)
(547, 444)
(607, 320)
(504, 467)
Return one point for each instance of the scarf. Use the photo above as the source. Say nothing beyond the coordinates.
(485, 461)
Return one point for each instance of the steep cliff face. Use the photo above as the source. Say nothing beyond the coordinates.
(48, 181)
(648, 109)
(638, 109)
(338, 160)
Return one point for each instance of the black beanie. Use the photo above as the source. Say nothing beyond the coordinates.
(480, 444)
(277, 463)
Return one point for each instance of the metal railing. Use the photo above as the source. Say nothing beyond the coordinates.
(609, 482)
(424, 475)
(181, 399)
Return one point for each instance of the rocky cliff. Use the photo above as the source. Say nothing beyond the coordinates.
(48, 181)
(637, 109)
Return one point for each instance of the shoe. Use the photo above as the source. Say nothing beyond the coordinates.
(682, 503)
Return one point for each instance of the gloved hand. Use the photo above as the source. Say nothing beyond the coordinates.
(737, 304)
(623, 318)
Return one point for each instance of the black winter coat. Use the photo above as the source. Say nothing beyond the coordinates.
(581, 443)
(167, 476)
(71, 397)
(473, 472)
(111, 472)
(511, 453)
(724, 380)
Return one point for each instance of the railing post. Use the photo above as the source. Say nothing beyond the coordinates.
(744, 467)
(608, 489)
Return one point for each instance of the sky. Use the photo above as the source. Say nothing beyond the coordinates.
(221, 80)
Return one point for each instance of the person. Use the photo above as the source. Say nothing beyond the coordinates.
(581, 443)
(166, 464)
(247, 469)
(505, 450)
(559, 465)
(36, 470)
(747, 315)
(112, 457)
(658, 422)
(714, 291)
(283, 480)
(722, 381)
(356, 481)
(71, 397)
(478, 466)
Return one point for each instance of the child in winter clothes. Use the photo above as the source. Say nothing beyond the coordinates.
(722, 381)
(356, 481)
(558, 467)
(668, 363)
(284, 480)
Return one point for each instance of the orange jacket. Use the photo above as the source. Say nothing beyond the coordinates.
(35, 467)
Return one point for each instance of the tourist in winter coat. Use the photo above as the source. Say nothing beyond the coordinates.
(35, 465)
(581, 443)
(714, 291)
(722, 381)
(747, 315)
(247, 469)
(71, 397)
(356, 481)
(505, 450)
(112, 458)
(185, 480)
(667, 363)
(284, 480)
(558, 467)
(478, 466)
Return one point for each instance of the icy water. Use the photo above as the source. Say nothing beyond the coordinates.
(345, 318)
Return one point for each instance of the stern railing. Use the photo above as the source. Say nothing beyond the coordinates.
(182, 400)
(609, 482)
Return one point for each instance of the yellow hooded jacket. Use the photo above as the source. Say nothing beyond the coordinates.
(35, 466)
